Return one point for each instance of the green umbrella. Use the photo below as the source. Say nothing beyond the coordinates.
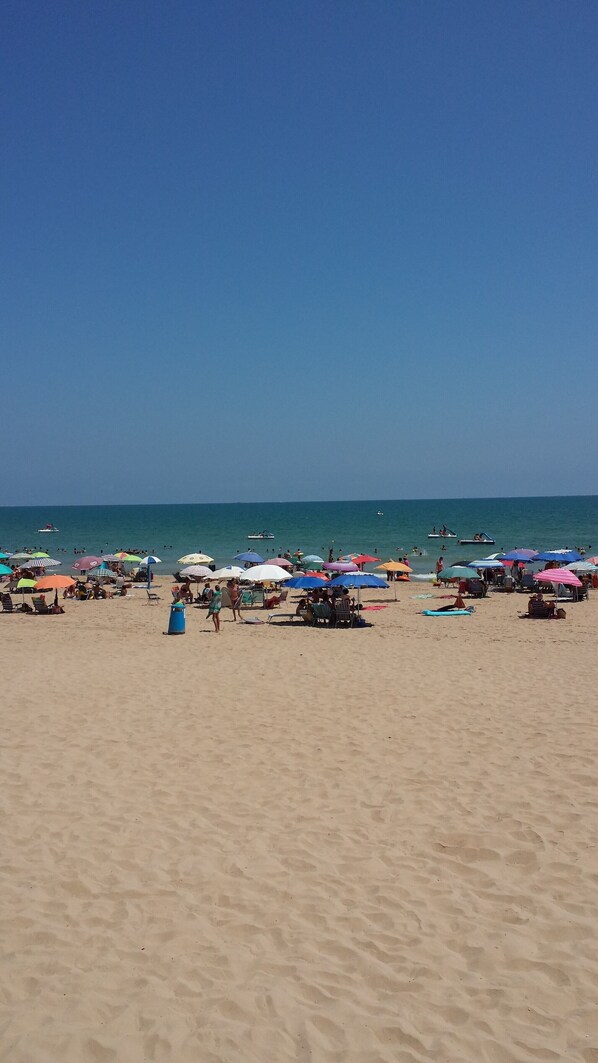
(457, 572)
(25, 584)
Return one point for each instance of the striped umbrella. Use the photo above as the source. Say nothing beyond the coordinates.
(41, 562)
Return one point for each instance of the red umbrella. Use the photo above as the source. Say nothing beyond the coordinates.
(85, 563)
(364, 559)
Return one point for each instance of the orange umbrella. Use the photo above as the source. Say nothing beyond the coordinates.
(52, 583)
(395, 566)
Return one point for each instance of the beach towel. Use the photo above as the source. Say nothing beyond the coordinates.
(453, 612)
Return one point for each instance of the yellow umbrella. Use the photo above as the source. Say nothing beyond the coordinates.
(395, 566)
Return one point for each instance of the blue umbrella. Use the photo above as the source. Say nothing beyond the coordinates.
(147, 563)
(519, 555)
(358, 580)
(306, 583)
(5, 570)
(249, 555)
(558, 555)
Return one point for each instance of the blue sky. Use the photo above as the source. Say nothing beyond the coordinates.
(284, 251)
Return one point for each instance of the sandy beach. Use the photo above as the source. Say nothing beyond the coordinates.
(285, 844)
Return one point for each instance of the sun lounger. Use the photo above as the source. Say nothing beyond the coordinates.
(152, 597)
(40, 606)
(7, 606)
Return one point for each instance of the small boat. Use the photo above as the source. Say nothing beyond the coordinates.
(444, 533)
(48, 528)
(480, 537)
(380, 513)
(261, 535)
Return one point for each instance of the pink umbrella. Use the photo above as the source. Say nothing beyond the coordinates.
(85, 563)
(340, 566)
(562, 576)
(282, 562)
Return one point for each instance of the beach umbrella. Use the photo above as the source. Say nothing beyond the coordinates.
(5, 570)
(3, 556)
(54, 582)
(306, 583)
(592, 560)
(340, 566)
(197, 572)
(109, 557)
(40, 553)
(227, 572)
(455, 572)
(43, 562)
(265, 574)
(25, 584)
(147, 562)
(195, 559)
(364, 559)
(519, 555)
(84, 564)
(309, 558)
(358, 580)
(249, 556)
(20, 555)
(560, 576)
(394, 566)
(486, 562)
(282, 562)
(128, 558)
(558, 555)
(581, 566)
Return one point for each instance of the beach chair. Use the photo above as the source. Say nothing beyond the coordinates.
(541, 610)
(322, 612)
(476, 588)
(343, 611)
(40, 606)
(528, 582)
(7, 606)
(152, 597)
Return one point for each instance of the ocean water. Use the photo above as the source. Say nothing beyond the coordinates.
(221, 530)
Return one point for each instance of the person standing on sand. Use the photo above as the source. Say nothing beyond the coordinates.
(439, 568)
(214, 608)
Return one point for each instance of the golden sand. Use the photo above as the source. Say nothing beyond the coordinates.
(291, 845)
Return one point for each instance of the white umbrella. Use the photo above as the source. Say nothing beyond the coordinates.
(195, 559)
(229, 572)
(197, 572)
(581, 566)
(265, 574)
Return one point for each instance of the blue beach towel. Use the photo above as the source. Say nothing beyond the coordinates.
(453, 612)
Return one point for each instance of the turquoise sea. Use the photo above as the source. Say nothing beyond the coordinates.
(221, 530)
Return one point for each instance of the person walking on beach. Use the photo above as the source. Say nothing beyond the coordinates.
(214, 608)
(439, 568)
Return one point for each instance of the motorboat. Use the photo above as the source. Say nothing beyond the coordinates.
(444, 533)
(48, 528)
(380, 512)
(479, 537)
(261, 535)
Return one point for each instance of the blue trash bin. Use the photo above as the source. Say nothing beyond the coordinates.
(176, 624)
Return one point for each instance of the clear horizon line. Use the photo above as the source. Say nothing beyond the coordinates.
(285, 502)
